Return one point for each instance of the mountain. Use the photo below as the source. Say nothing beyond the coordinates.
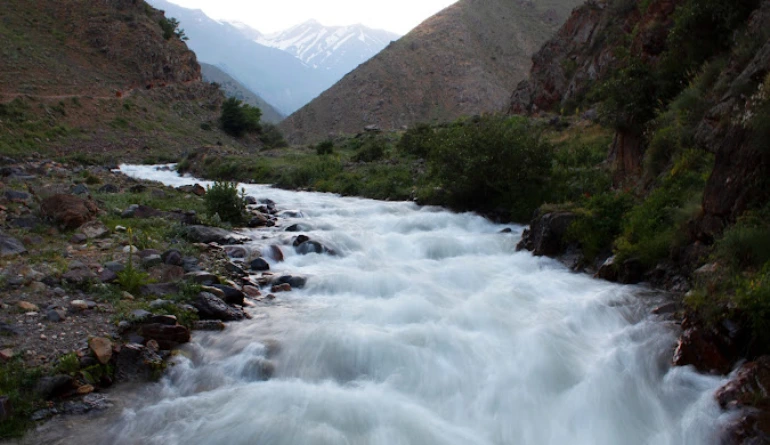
(465, 60)
(334, 49)
(277, 76)
(236, 89)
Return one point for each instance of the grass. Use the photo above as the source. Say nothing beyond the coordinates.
(17, 382)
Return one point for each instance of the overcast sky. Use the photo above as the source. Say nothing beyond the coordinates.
(269, 16)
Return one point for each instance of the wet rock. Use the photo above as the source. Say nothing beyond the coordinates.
(298, 228)
(203, 278)
(52, 386)
(159, 290)
(102, 349)
(290, 214)
(196, 189)
(631, 271)
(748, 391)
(172, 257)
(68, 211)
(299, 240)
(203, 234)
(236, 252)
(108, 188)
(167, 336)
(259, 264)
(208, 325)
(296, 282)
(546, 234)
(10, 246)
(309, 247)
(136, 363)
(698, 347)
(250, 200)
(235, 270)
(210, 307)
(252, 291)
(258, 220)
(275, 253)
(231, 294)
(284, 287)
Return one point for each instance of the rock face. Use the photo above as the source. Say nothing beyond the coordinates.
(211, 307)
(748, 391)
(428, 76)
(167, 336)
(68, 211)
(547, 233)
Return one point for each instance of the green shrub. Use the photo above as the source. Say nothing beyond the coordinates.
(324, 148)
(223, 199)
(17, 382)
(205, 126)
(170, 27)
(494, 164)
(416, 141)
(599, 222)
(752, 297)
(746, 245)
(373, 149)
(238, 118)
(272, 137)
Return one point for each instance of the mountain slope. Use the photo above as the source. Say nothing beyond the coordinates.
(277, 76)
(234, 88)
(335, 49)
(465, 60)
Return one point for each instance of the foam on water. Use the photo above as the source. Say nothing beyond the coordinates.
(427, 328)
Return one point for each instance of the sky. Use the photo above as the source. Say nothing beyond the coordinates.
(268, 16)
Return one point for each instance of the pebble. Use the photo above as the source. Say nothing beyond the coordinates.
(79, 304)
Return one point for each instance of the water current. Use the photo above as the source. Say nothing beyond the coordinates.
(426, 328)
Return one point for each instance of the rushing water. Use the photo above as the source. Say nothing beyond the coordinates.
(428, 328)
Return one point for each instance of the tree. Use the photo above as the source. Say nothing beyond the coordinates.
(238, 118)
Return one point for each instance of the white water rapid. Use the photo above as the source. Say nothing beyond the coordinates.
(428, 328)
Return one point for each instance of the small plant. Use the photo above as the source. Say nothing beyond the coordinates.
(68, 364)
(131, 278)
(170, 27)
(238, 118)
(223, 199)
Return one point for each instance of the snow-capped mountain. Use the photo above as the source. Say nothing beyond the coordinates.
(336, 49)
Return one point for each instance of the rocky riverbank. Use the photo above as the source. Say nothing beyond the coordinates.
(102, 276)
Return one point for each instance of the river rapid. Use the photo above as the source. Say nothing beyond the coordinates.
(427, 328)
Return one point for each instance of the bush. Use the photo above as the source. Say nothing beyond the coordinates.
(324, 148)
(238, 118)
(170, 27)
(373, 149)
(600, 222)
(752, 297)
(493, 164)
(416, 141)
(223, 199)
(272, 137)
(746, 245)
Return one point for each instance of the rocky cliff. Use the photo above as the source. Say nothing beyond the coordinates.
(465, 60)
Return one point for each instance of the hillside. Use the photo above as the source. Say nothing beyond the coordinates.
(91, 79)
(275, 75)
(465, 60)
(336, 50)
(234, 88)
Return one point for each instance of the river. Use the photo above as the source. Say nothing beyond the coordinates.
(427, 328)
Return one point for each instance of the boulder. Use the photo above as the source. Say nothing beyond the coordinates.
(102, 349)
(10, 246)
(203, 278)
(546, 234)
(275, 253)
(52, 386)
(107, 276)
(259, 265)
(748, 392)
(231, 294)
(258, 220)
(296, 282)
(204, 234)
(298, 228)
(210, 307)
(80, 189)
(172, 257)
(136, 363)
(700, 348)
(108, 188)
(167, 336)
(309, 247)
(283, 287)
(208, 325)
(68, 211)
(159, 290)
(79, 276)
(94, 229)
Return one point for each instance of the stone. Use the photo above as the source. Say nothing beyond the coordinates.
(107, 276)
(275, 253)
(546, 234)
(290, 214)
(259, 265)
(208, 325)
(151, 261)
(78, 238)
(27, 306)
(17, 196)
(56, 315)
(250, 200)
(172, 257)
(115, 266)
(231, 294)
(68, 211)
(108, 188)
(6, 354)
(235, 270)
(190, 264)
(257, 220)
(213, 290)
(79, 276)
(138, 188)
(168, 320)
(102, 349)
(300, 239)
(55, 385)
(204, 234)
(157, 304)
(10, 246)
(252, 291)
(166, 273)
(85, 389)
(80, 305)
(28, 222)
(697, 347)
(140, 315)
(296, 282)
(203, 278)
(310, 246)
(284, 287)
(136, 363)
(167, 336)
(237, 252)
(94, 230)
(80, 189)
(210, 307)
